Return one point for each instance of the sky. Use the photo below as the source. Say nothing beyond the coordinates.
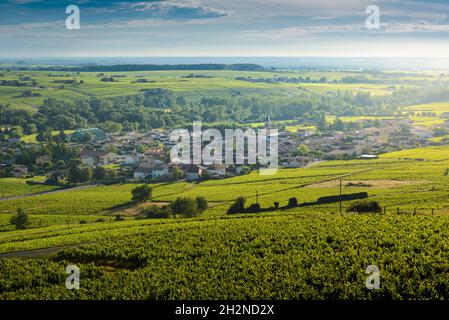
(224, 28)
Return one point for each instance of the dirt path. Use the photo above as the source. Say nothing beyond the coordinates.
(36, 253)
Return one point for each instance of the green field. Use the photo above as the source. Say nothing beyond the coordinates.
(437, 107)
(10, 187)
(220, 83)
(407, 179)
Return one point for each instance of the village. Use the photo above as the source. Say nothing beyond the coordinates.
(145, 156)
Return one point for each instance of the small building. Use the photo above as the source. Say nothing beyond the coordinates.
(19, 171)
(127, 160)
(368, 156)
(142, 173)
(193, 173)
(216, 170)
(40, 160)
(56, 176)
(94, 158)
(159, 170)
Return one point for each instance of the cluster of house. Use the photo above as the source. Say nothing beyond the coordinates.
(388, 137)
(144, 156)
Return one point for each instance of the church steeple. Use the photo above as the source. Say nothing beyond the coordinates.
(268, 119)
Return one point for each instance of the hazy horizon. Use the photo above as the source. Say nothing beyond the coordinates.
(277, 62)
(284, 28)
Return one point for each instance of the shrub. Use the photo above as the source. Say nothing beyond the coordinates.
(157, 212)
(245, 170)
(99, 173)
(254, 208)
(119, 217)
(142, 193)
(185, 206)
(20, 220)
(292, 202)
(238, 206)
(365, 207)
(201, 204)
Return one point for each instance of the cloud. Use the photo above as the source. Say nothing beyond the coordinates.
(318, 18)
(385, 28)
(100, 12)
(177, 10)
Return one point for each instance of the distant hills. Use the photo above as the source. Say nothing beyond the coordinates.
(147, 67)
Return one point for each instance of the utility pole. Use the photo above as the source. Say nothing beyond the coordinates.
(340, 196)
(257, 200)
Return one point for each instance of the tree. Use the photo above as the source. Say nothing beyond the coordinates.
(292, 202)
(111, 127)
(185, 206)
(16, 132)
(20, 220)
(62, 136)
(201, 204)
(74, 173)
(99, 173)
(142, 193)
(85, 174)
(176, 173)
(30, 128)
(87, 137)
(303, 150)
(238, 206)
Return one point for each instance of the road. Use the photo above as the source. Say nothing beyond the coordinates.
(36, 253)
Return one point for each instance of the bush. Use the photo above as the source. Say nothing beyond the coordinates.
(99, 173)
(119, 218)
(157, 212)
(142, 193)
(292, 202)
(365, 207)
(185, 206)
(254, 208)
(201, 204)
(238, 206)
(20, 220)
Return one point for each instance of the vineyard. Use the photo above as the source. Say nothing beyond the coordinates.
(272, 257)
(305, 252)
(409, 179)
